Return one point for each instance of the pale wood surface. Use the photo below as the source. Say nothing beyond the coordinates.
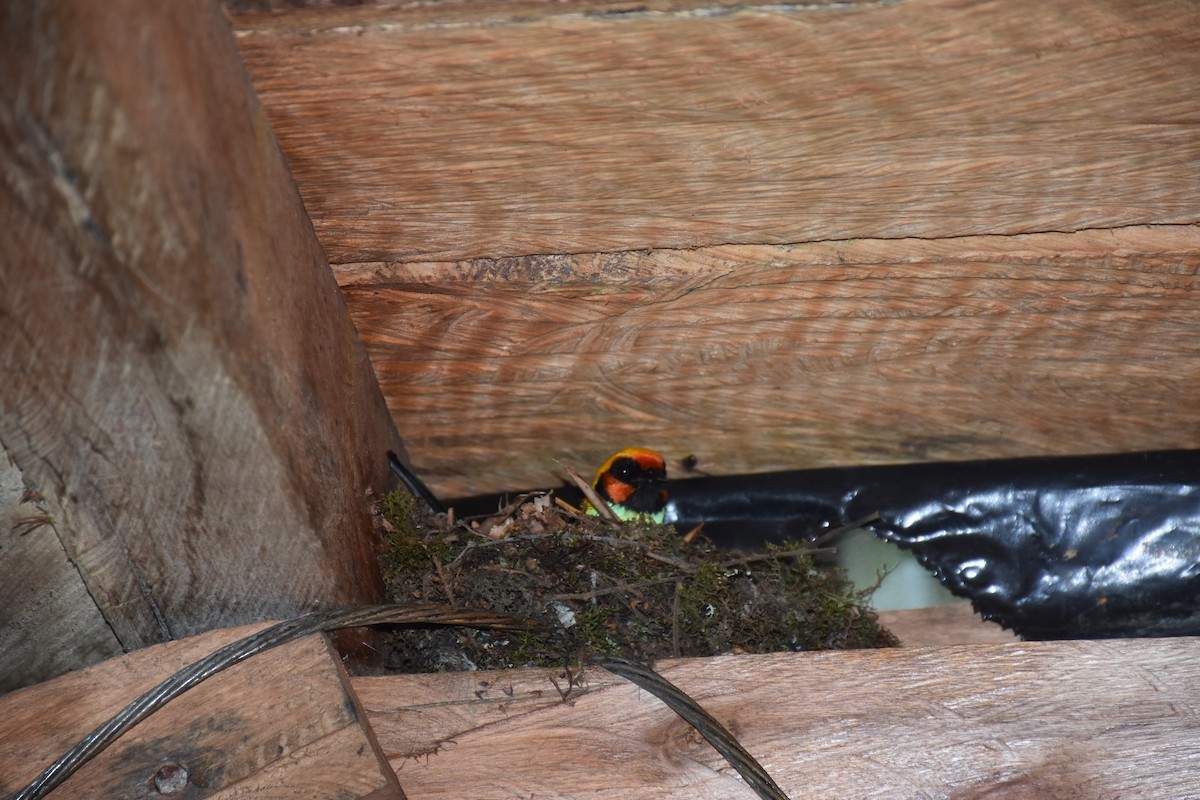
(452, 132)
(756, 358)
(48, 622)
(1079, 720)
(283, 724)
(192, 401)
(951, 623)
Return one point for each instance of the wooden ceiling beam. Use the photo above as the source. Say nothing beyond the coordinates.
(182, 385)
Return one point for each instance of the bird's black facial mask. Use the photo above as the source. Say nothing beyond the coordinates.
(648, 483)
(635, 474)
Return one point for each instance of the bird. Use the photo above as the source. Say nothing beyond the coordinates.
(633, 482)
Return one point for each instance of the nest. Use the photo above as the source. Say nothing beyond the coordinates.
(633, 590)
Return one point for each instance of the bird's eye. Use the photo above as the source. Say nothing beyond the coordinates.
(622, 469)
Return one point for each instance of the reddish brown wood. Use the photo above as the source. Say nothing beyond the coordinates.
(463, 131)
(563, 231)
(285, 723)
(1071, 720)
(760, 358)
(182, 384)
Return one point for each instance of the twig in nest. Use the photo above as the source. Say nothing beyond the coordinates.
(675, 618)
(675, 562)
(504, 511)
(489, 522)
(473, 546)
(602, 508)
(588, 537)
(441, 571)
(772, 555)
(717, 735)
(619, 589)
(570, 509)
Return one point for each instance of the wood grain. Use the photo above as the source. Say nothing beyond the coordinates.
(1064, 720)
(325, 14)
(48, 623)
(756, 358)
(949, 623)
(459, 133)
(802, 235)
(284, 723)
(194, 405)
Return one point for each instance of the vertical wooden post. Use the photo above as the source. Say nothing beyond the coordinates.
(181, 381)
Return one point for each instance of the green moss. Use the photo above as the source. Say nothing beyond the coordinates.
(414, 543)
(636, 590)
(595, 629)
(701, 596)
(399, 508)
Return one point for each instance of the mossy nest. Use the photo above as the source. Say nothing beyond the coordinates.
(636, 590)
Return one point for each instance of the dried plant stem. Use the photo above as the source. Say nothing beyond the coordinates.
(625, 587)
(602, 508)
(776, 555)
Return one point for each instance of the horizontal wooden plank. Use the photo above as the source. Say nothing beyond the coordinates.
(1064, 720)
(558, 228)
(326, 14)
(284, 723)
(451, 133)
(756, 358)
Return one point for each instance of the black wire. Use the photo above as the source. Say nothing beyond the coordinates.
(415, 485)
(691, 712)
(423, 614)
(236, 652)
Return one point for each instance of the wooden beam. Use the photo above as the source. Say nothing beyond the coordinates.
(49, 622)
(462, 131)
(1025, 720)
(193, 403)
(796, 236)
(284, 723)
(326, 14)
(756, 358)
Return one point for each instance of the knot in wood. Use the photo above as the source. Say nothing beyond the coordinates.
(170, 779)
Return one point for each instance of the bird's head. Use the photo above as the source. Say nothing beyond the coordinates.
(634, 482)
